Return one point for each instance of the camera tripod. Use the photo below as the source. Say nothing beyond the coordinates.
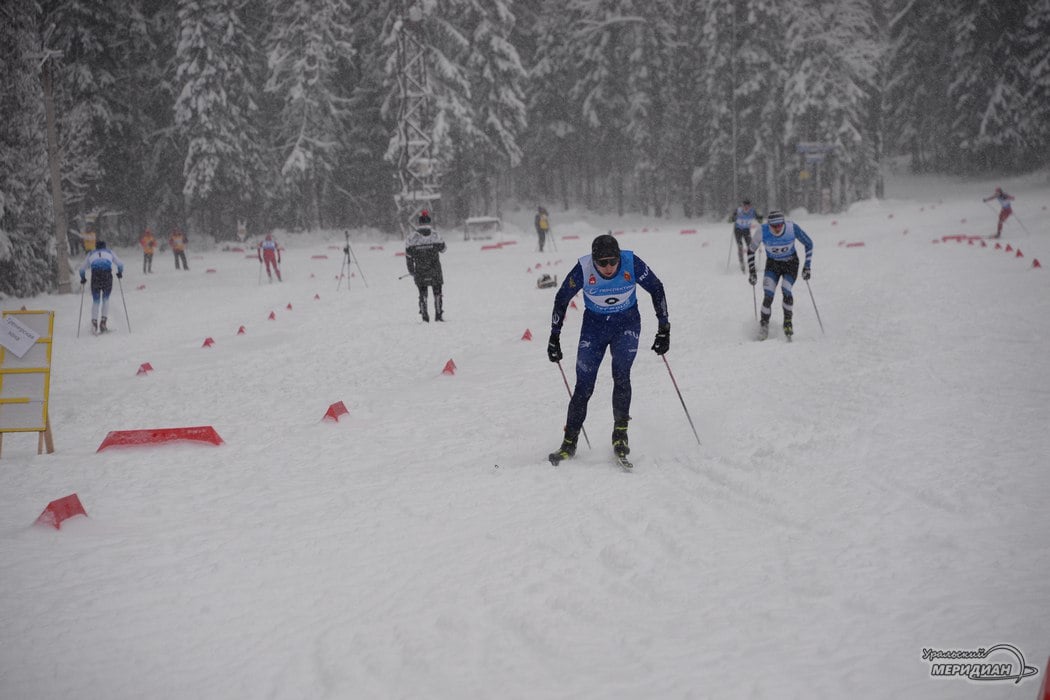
(348, 258)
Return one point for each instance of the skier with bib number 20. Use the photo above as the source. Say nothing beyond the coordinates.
(778, 236)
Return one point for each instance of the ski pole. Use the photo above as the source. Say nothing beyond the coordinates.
(815, 307)
(260, 274)
(754, 300)
(688, 417)
(80, 318)
(1021, 223)
(120, 286)
(582, 429)
(407, 274)
(729, 255)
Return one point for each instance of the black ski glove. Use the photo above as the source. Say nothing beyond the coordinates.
(554, 348)
(120, 275)
(83, 280)
(752, 278)
(663, 339)
(806, 273)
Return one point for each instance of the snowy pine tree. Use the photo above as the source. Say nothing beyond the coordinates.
(309, 43)
(215, 112)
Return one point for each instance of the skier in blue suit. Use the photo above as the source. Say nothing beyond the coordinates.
(778, 237)
(742, 219)
(102, 262)
(609, 278)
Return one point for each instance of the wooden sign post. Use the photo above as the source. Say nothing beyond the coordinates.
(25, 375)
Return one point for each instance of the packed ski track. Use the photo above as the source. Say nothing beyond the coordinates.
(860, 494)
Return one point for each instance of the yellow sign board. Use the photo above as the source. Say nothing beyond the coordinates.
(25, 380)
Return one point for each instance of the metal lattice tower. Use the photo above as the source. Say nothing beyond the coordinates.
(418, 170)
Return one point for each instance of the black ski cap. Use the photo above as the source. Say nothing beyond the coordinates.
(605, 246)
(100, 244)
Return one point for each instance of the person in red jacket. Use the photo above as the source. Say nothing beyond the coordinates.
(178, 241)
(270, 253)
(149, 246)
(1005, 210)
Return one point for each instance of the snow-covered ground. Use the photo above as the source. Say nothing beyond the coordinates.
(859, 496)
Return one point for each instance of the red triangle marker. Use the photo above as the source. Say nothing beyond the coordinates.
(61, 510)
(334, 411)
(272, 316)
(527, 335)
(240, 331)
(208, 342)
(450, 368)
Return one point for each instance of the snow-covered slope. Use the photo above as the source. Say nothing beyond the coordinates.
(859, 495)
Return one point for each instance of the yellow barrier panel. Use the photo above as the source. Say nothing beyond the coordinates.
(25, 374)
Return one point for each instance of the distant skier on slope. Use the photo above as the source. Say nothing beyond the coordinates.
(609, 278)
(270, 253)
(103, 263)
(779, 236)
(423, 248)
(741, 220)
(1005, 210)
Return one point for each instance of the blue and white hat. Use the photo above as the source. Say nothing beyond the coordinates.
(775, 218)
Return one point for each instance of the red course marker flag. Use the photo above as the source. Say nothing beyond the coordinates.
(61, 510)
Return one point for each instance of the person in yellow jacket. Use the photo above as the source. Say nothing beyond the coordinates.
(89, 239)
(149, 246)
(177, 240)
(543, 225)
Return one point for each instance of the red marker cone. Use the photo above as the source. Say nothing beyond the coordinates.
(208, 342)
(317, 296)
(334, 411)
(1035, 262)
(289, 307)
(527, 335)
(450, 368)
(1009, 248)
(60, 510)
(240, 331)
(144, 368)
(1019, 254)
(272, 316)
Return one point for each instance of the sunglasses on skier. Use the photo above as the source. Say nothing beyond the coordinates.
(607, 262)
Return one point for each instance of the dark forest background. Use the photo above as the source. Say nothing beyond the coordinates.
(281, 113)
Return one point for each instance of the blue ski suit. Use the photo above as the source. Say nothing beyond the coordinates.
(610, 320)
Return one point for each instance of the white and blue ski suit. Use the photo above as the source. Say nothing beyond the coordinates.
(742, 219)
(102, 262)
(781, 265)
(610, 320)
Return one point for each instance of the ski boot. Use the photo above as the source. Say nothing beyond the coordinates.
(568, 447)
(763, 329)
(788, 330)
(102, 325)
(423, 309)
(619, 439)
(94, 326)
